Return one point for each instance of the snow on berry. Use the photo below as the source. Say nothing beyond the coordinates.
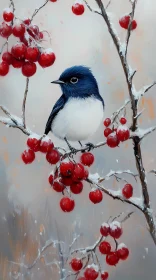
(87, 158)
(115, 229)
(123, 133)
(66, 168)
(107, 122)
(53, 156)
(104, 275)
(67, 204)
(78, 8)
(107, 131)
(104, 230)
(33, 142)
(112, 140)
(91, 272)
(18, 29)
(95, 196)
(29, 69)
(112, 258)
(7, 57)
(8, 15)
(18, 51)
(76, 264)
(28, 156)
(5, 30)
(127, 191)
(124, 22)
(46, 58)
(104, 248)
(46, 145)
(76, 187)
(4, 68)
(122, 251)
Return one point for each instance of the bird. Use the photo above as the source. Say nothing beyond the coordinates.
(79, 111)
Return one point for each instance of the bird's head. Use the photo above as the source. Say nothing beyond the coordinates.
(78, 81)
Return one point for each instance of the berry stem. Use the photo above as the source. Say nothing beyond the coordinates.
(24, 102)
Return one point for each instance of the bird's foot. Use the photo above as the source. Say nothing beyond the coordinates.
(90, 146)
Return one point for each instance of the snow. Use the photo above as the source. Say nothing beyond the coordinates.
(48, 51)
(138, 201)
(114, 225)
(115, 193)
(8, 10)
(34, 135)
(45, 139)
(121, 245)
(94, 178)
(17, 23)
(105, 225)
(78, 2)
(122, 128)
(94, 266)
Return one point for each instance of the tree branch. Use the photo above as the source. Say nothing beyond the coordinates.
(24, 102)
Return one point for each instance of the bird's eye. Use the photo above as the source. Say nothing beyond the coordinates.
(74, 80)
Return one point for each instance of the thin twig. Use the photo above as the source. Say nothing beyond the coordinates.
(2, 48)
(24, 102)
(38, 9)
(91, 9)
(13, 5)
(130, 26)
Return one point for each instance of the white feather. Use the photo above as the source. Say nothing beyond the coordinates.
(79, 119)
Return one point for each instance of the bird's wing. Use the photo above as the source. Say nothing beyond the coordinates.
(57, 107)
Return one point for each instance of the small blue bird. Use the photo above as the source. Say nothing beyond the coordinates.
(79, 111)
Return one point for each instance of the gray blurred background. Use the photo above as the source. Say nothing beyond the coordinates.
(29, 210)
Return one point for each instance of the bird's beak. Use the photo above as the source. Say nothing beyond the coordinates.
(57, 82)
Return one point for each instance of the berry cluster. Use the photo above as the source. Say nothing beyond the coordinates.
(125, 20)
(27, 51)
(116, 135)
(121, 252)
(68, 175)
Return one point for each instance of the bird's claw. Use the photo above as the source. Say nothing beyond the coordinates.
(90, 146)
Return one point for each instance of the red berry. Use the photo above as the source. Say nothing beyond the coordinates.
(16, 63)
(28, 156)
(86, 174)
(123, 251)
(104, 275)
(96, 196)
(8, 15)
(27, 21)
(112, 258)
(4, 68)
(18, 51)
(104, 248)
(81, 278)
(33, 143)
(67, 181)
(46, 58)
(78, 173)
(67, 204)
(18, 29)
(76, 188)
(87, 159)
(115, 229)
(46, 145)
(78, 8)
(107, 131)
(40, 35)
(123, 120)
(112, 140)
(127, 191)
(53, 156)
(33, 30)
(7, 57)
(51, 179)
(124, 22)
(123, 133)
(91, 272)
(66, 168)
(53, 0)
(5, 30)
(105, 229)
(107, 122)
(29, 68)
(58, 187)
(76, 264)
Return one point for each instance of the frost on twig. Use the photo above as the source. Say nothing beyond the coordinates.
(91, 9)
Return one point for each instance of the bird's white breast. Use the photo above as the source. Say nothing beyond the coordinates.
(79, 119)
